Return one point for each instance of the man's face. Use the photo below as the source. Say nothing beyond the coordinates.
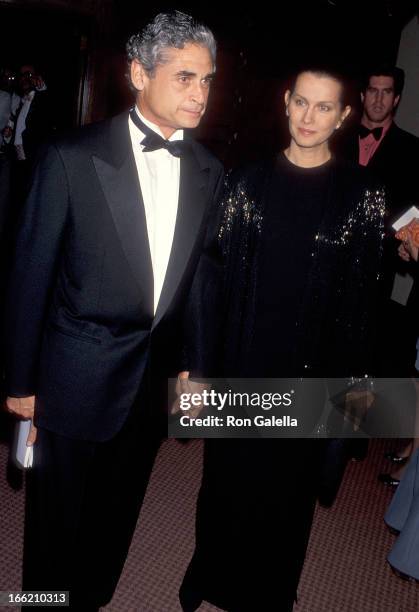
(26, 78)
(379, 100)
(314, 109)
(176, 96)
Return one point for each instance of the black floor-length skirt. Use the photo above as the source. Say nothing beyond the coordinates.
(254, 516)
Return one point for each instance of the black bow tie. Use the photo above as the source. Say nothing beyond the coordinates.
(364, 132)
(153, 141)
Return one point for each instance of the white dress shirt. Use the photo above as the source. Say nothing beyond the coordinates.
(21, 118)
(159, 175)
(26, 101)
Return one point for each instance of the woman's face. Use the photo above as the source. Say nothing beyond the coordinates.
(314, 109)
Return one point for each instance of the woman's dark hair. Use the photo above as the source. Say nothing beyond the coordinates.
(389, 70)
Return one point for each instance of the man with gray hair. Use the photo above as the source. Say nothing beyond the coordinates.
(110, 242)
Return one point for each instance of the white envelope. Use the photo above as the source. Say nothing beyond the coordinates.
(22, 454)
(412, 213)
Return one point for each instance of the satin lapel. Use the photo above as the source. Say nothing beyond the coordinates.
(120, 184)
(191, 207)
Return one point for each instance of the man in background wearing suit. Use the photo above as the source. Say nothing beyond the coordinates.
(106, 254)
(392, 154)
(32, 122)
(389, 152)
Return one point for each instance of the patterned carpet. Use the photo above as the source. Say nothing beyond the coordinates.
(345, 568)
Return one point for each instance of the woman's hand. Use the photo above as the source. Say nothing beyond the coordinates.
(409, 234)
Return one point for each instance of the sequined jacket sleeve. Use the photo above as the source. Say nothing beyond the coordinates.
(239, 237)
(343, 316)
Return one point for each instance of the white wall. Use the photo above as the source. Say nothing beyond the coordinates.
(408, 112)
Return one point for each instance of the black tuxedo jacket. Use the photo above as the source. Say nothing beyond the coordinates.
(80, 327)
(395, 164)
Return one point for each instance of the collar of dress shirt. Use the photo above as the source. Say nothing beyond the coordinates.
(178, 135)
(385, 126)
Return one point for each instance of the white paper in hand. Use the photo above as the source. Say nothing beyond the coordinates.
(23, 455)
(412, 213)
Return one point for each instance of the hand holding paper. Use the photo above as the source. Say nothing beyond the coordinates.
(407, 230)
(411, 230)
(24, 407)
(409, 235)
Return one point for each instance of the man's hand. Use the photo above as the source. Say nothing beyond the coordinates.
(186, 386)
(182, 386)
(38, 83)
(23, 407)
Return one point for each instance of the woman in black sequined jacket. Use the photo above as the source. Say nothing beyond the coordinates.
(299, 240)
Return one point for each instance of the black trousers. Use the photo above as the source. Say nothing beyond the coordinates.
(82, 504)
